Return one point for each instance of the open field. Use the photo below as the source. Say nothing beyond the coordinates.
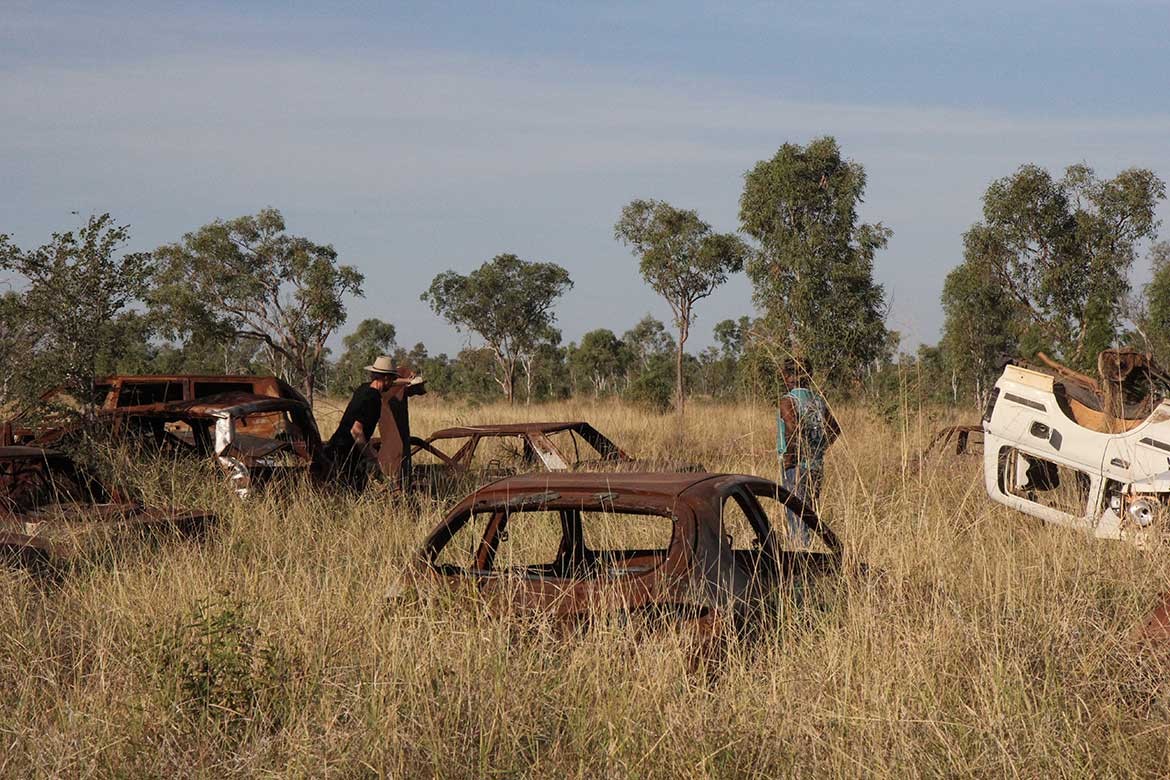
(979, 643)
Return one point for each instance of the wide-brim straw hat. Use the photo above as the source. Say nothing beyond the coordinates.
(383, 365)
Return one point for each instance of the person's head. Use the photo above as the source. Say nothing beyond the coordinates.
(382, 373)
(796, 372)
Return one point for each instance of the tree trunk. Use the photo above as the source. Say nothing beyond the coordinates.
(684, 332)
(308, 384)
(510, 385)
(528, 381)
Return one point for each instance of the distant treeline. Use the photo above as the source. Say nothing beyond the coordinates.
(1045, 268)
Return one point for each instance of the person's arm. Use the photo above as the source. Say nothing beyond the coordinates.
(361, 443)
(788, 420)
(832, 427)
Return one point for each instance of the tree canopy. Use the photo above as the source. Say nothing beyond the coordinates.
(977, 329)
(812, 270)
(248, 278)
(507, 302)
(75, 303)
(1058, 254)
(682, 259)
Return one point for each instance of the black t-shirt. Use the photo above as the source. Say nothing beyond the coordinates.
(365, 407)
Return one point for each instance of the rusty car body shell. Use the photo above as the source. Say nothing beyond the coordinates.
(698, 578)
(956, 440)
(137, 404)
(252, 437)
(255, 427)
(50, 509)
(535, 450)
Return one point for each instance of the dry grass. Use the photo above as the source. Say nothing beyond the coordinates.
(978, 644)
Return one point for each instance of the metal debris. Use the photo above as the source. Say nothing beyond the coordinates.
(51, 509)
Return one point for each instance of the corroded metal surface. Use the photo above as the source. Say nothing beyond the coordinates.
(533, 447)
(697, 577)
(137, 405)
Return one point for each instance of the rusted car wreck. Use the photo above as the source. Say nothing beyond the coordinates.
(137, 406)
(955, 440)
(255, 427)
(464, 456)
(701, 548)
(50, 509)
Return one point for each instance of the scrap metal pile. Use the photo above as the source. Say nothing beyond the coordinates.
(559, 519)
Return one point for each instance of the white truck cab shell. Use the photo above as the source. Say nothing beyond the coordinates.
(1025, 426)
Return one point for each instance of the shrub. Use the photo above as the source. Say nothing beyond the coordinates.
(219, 670)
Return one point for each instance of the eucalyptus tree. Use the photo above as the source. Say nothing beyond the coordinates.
(682, 259)
(1053, 257)
(76, 300)
(812, 270)
(508, 303)
(247, 278)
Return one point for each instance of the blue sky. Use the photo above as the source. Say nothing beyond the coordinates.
(426, 136)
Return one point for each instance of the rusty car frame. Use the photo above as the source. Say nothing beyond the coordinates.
(138, 405)
(254, 427)
(955, 440)
(703, 549)
(463, 456)
(51, 509)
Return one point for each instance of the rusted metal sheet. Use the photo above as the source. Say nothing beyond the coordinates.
(394, 442)
(50, 509)
(1155, 629)
(699, 576)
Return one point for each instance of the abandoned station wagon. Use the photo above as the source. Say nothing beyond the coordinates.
(694, 546)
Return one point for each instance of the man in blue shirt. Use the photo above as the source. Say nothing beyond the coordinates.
(804, 430)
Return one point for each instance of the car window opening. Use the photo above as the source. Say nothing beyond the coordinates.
(557, 543)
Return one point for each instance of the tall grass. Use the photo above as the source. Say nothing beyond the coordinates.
(976, 642)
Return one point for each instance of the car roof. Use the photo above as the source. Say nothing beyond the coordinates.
(17, 451)
(224, 378)
(662, 484)
(237, 403)
(504, 429)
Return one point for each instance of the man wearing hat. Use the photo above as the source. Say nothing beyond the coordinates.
(349, 445)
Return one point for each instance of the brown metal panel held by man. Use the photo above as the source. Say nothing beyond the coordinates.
(394, 427)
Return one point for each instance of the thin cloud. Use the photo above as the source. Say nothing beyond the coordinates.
(419, 161)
